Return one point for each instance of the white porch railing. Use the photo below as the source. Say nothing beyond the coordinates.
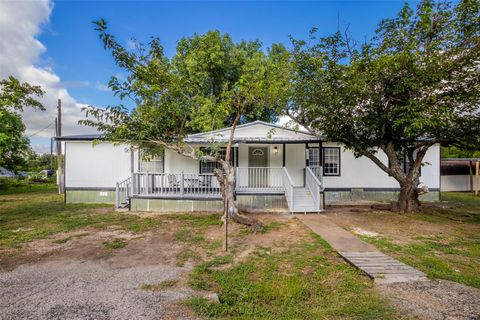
(318, 171)
(175, 185)
(122, 192)
(314, 186)
(259, 179)
(288, 187)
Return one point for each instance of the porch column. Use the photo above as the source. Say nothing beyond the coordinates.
(284, 152)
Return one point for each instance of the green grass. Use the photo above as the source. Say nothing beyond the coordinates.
(37, 215)
(115, 244)
(453, 255)
(160, 286)
(192, 232)
(306, 281)
(275, 225)
(14, 186)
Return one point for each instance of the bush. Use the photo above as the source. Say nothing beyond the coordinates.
(38, 177)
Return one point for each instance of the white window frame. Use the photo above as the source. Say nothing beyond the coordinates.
(207, 167)
(314, 158)
(331, 161)
(154, 165)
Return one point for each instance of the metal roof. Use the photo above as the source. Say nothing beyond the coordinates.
(213, 136)
(79, 137)
(460, 159)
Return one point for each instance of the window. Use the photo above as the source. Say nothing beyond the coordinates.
(257, 152)
(314, 157)
(331, 161)
(207, 167)
(154, 165)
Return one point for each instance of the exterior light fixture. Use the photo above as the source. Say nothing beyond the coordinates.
(275, 149)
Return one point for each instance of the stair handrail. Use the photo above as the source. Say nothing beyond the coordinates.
(289, 187)
(122, 191)
(314, 186)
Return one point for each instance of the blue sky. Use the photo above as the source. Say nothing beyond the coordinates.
(78, 57)
(67, 58)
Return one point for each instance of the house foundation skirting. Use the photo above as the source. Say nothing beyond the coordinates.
(90, 195)
(175, 205)
(244, 203)
(333, 196)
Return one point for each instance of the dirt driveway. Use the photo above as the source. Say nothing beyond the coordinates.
(71, 290)
(84, 275)
(83, 280)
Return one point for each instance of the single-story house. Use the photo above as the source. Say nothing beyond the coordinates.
(459, 174)
(276, 168)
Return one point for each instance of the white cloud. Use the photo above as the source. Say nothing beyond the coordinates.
(102, 87)
(20, 55)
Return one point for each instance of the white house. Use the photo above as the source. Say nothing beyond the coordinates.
(276, 168)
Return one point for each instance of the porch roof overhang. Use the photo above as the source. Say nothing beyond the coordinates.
(80, 137)
(254, 140)
(256, 132)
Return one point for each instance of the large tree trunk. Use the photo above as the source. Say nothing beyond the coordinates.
(226, 178)
(408, 197)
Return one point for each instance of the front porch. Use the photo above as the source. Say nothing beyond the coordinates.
(249, 181)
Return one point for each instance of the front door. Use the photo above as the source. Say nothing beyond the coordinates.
(258, 164)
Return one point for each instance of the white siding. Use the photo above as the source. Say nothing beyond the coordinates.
(102, 165)
(176, 163)
(363, 173)
(295, 162)
(95, 166)
(456, 183)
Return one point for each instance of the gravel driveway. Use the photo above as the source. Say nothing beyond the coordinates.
(88, 290)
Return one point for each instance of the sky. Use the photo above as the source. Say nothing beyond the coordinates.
(53, 43)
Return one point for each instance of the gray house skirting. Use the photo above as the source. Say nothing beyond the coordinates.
(246, 202)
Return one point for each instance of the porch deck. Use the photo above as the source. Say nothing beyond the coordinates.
(249, 180)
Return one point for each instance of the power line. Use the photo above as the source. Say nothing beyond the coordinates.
(40, 130)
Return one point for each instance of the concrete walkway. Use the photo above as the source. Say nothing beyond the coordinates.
(378, 266)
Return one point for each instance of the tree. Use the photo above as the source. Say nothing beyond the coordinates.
(454, 152)
(14, 97)
(209, 83)
(415, 84)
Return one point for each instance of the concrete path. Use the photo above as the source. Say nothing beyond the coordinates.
(378, 266)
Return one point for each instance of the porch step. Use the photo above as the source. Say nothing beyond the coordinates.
(303, 201)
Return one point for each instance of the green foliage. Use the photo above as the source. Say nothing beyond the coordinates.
(38, 177)
(210, 82)
(14, 98)
(455, 152)
(416, 83)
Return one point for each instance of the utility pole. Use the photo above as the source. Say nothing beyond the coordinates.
(58, 125)
(51, 152)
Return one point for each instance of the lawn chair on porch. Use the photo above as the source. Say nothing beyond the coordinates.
(172, 181)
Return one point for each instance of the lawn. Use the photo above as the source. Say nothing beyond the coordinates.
(443, 240)
(302, 280)
(284, 272)
(15, 186)
(35, 214)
